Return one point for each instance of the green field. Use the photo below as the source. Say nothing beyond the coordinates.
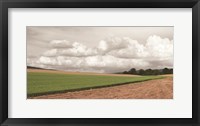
(45, 83)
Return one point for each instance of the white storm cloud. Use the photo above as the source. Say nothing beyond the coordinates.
(110, 55)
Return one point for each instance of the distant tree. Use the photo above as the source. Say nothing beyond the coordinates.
(141, 72)
(166, 71)
(148, 72)
(132, 71)
(171, 71)
(125, 72)
(157, 72)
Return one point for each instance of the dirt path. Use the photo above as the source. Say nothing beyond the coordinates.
(153, 89)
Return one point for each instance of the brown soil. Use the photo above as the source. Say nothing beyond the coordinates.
(153, 89)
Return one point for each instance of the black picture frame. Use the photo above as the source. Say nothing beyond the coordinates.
(6, 4)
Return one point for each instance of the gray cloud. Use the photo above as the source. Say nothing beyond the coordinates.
(110, 54)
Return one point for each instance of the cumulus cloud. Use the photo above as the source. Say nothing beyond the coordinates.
(111, 44)
(159, 48)
(75, 49)
(105, 63)
(60, 44)
(110, 55)
(131, 49)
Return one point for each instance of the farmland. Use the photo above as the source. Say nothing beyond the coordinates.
(152, 89)
(41, 82)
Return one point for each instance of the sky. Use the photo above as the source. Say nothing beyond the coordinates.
(99, 49)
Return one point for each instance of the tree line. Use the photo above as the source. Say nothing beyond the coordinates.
(149, 71)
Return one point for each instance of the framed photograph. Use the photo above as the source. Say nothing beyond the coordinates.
(99, 63)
